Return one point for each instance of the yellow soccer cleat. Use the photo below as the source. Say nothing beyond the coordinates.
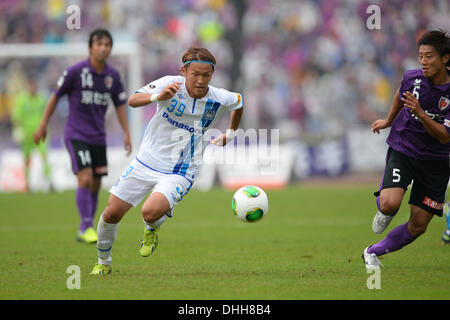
(101, 270)
(89, 236)
(149, 242)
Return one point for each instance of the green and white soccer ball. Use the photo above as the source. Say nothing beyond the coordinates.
(250, 204)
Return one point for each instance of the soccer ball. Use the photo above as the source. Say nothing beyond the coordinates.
(250, 204)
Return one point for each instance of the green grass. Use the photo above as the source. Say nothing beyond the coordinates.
(307, 247)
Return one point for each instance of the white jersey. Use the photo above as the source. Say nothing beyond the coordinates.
(173, 141)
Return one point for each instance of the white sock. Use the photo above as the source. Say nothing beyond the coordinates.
(156, 224)
(106, 235)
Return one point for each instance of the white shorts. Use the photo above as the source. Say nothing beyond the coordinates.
(139, 179)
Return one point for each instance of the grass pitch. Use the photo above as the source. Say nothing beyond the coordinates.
(307, 247)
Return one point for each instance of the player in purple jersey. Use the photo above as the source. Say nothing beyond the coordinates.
(91, 85)
(419, 147)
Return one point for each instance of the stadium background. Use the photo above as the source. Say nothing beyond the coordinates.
(311, 69)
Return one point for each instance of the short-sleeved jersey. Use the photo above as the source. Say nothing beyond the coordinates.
(89, 94)
(173, 140)
(407, 134)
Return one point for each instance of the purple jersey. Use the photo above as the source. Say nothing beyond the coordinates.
(407, 134)
(89, 95)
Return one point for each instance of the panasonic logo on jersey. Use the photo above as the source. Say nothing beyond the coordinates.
(182, 125)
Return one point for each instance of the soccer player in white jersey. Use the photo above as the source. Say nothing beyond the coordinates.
(169, 157)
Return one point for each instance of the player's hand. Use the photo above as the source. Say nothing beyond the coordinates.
(127, 144)
(411, 102)
(40, 134)
(169, 91)
(220, 140)
(379, 124)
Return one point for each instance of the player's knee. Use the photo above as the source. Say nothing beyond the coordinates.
(416, 229)
(111, 214)
(388, 206)
(85, 178)
(110, 217)
(151, 214)
(96, 184)
(84, 181)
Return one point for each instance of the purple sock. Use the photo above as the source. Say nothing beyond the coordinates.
(395, 240)
(94, 201)
(84, 204)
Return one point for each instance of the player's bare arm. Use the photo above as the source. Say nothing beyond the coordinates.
(235, 119)
(140, 99)
(397, 105)
(435, 129)
(122, 116)
(41, 132)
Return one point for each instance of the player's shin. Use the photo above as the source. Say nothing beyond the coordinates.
(106, 233)
(395, 240)
(382, 219)
(84, 204)
(94, 201)
(156, 224)
(47, 171)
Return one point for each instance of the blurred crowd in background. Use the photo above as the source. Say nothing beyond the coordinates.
(310, 68)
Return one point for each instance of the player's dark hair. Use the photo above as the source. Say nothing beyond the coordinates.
(200, 54)
(98, 34)
(439, 40)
